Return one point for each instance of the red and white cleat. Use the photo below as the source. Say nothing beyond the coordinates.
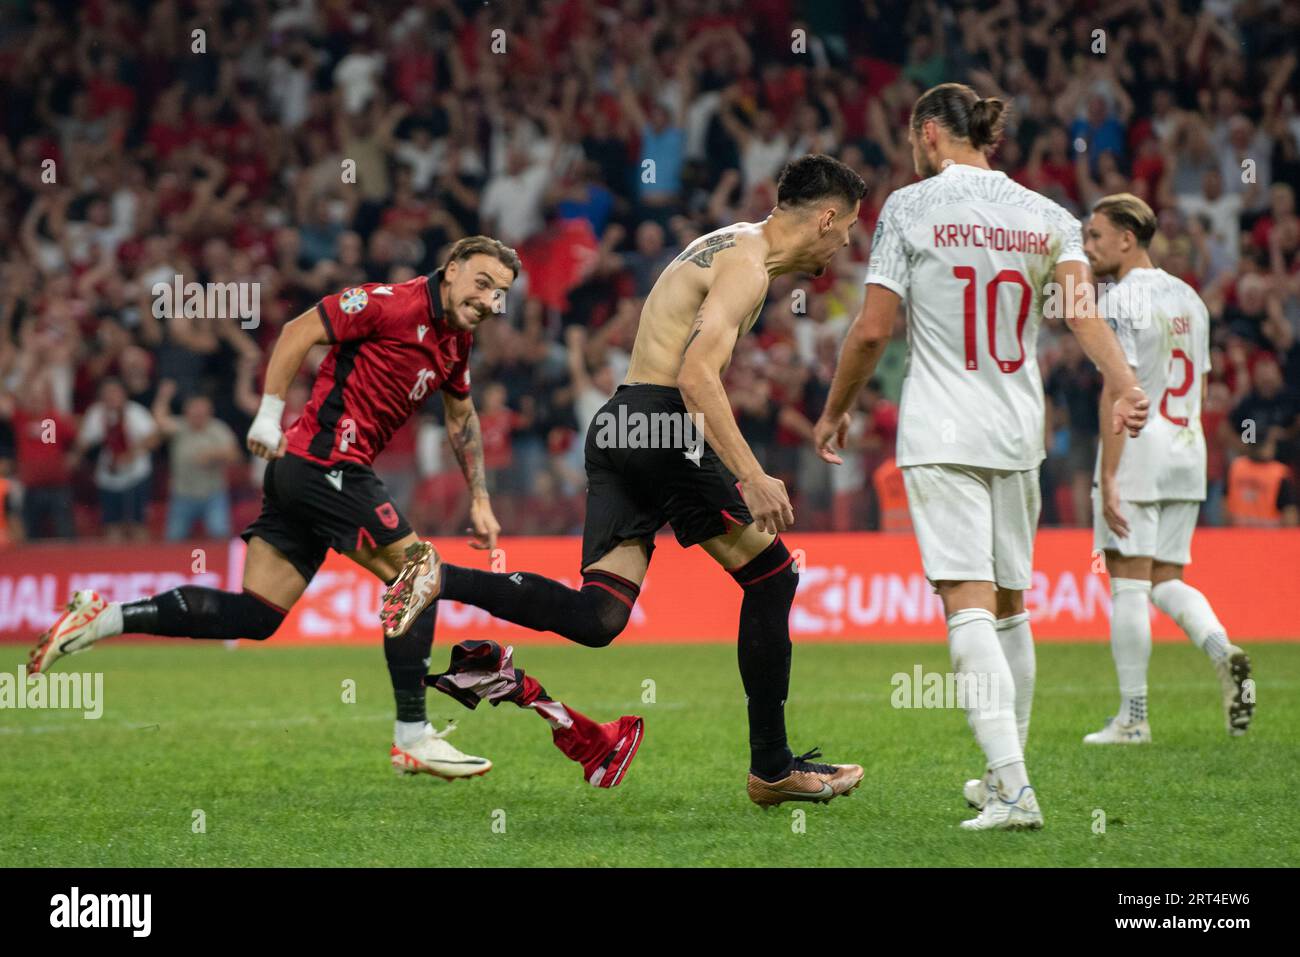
(415, 589)
(72, 632)
(432, 754)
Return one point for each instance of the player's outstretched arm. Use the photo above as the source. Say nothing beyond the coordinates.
(863, 346)
(265, 438)
(738, 289)
(466, 438)
(1127, 402)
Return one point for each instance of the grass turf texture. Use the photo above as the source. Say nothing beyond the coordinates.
(287, 774)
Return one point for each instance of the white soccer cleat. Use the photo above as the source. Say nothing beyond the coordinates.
(1139, 732)
(72, 632)
(432, 754)
(998, 814)
(416, 588)
(1238, 705)
(976, 791)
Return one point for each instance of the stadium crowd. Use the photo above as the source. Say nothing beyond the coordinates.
(305, 147)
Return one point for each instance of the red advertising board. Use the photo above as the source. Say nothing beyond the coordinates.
(853, 587)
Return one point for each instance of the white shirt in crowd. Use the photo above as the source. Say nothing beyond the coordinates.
(1225, 218)
(129, 470)
(358, 75)
(761, 159)
(514, 202)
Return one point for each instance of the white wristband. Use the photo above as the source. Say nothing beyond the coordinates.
(266, 424)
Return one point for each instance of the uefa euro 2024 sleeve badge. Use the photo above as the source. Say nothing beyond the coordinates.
(353, 300)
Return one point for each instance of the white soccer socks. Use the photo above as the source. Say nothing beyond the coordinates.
(976, 652)
(109, 623)
(1191, 611)
(407, 733)
(1130, 644)
(1018, 647)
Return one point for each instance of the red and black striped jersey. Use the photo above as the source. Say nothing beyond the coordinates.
(392, 347)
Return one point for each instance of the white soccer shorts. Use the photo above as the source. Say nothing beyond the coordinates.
(1160, 530)
(975, 524)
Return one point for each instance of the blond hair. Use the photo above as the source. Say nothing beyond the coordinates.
(1129, 212)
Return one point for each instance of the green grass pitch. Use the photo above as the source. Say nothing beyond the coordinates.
(287, 774)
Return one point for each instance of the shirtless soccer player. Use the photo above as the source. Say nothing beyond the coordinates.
(391, 345)
(971, 251)
(702, 302)
(1149, 490)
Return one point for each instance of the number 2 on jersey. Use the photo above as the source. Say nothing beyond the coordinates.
(1189, 376)
(1013, 276)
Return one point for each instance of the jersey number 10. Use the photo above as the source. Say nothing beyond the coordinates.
(1013, 276)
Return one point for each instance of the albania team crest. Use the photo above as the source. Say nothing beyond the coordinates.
(387, 514)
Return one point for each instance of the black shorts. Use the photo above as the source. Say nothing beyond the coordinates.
(633, 492)
(307, 509)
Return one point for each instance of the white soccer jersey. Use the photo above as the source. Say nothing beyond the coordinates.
(970, 251)
(1165, 331)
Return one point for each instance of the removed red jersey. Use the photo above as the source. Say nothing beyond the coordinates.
(391, 347)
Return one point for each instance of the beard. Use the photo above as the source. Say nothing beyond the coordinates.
(1100, 268)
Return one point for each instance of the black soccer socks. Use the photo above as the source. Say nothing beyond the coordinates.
(592, 615)
(408, 663)
(769, 581)
(192, 611)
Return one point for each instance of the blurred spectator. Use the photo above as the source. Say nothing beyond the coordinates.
(593, 384)
(662, 138)
(497, 421)
(200, 451)
(1249, 316)
(1098, 128)
(648, 259)
(1268, 413)
(764, 148)
(44, 439)
(1261, 490)
(126, 434)
(511, 207)
(1221, 208)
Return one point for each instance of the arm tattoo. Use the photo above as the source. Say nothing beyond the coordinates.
(704, 253)
(467, 442)
(696, 326)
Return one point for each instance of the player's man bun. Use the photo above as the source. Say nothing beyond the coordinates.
(1131, 213)
(986, 122)
(463, 249)
(961, 111)
(817, 177)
